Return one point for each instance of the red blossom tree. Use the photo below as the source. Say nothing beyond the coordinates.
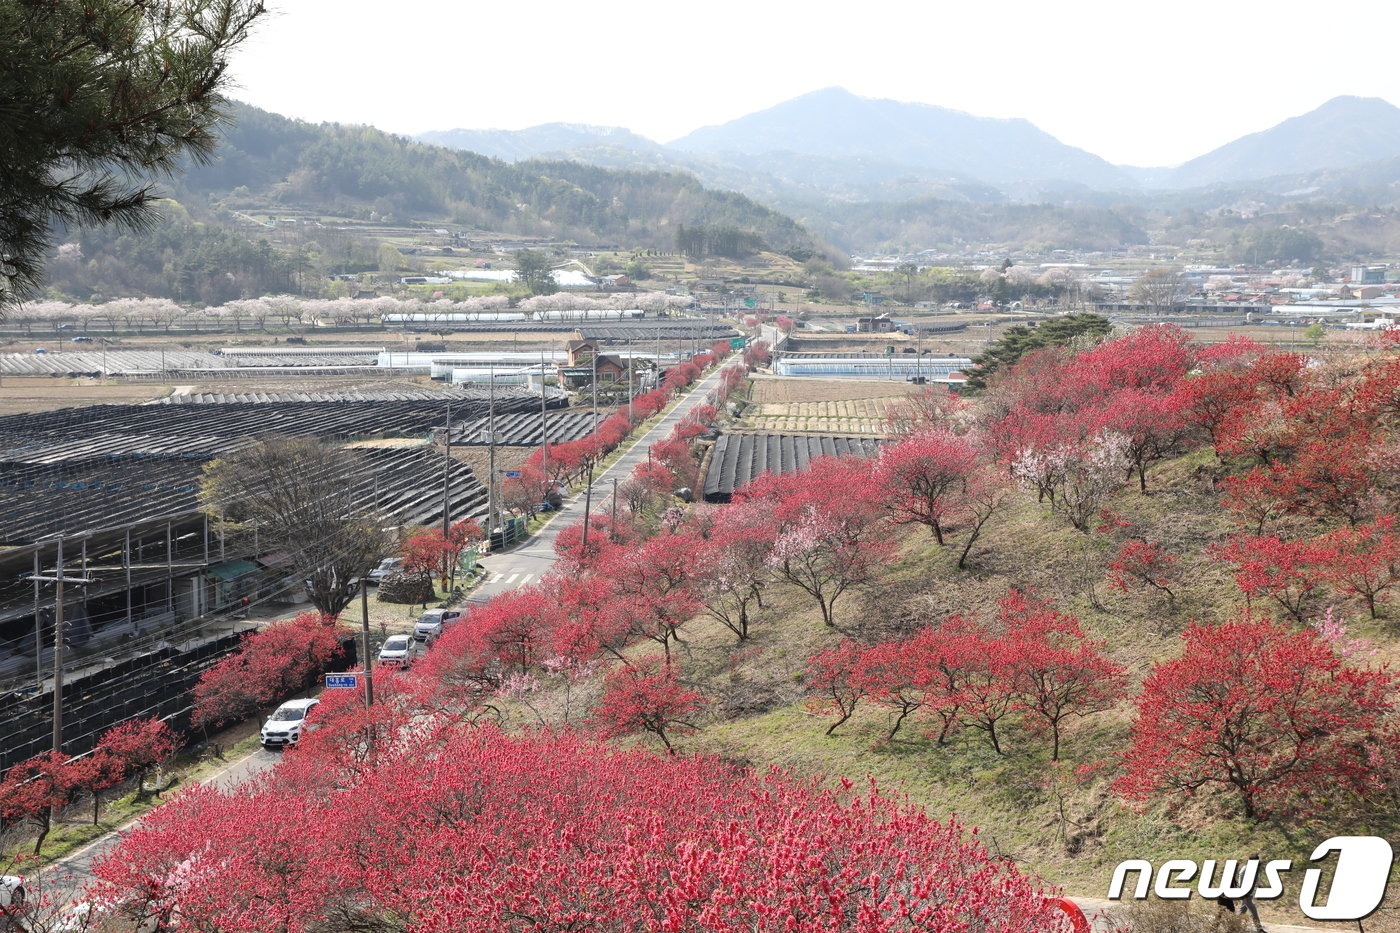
(1272, 716)
(38, 788)
(1327, 479)
(1362, 560)
(590, 624)
(1153, 359)
(422, 551)
(271, 663)
(1253, 499)
(987, 692)
(1285, 571)
(130, 748)
(1154, 423)
(522, 494)
(675, 454)
(139, 743)
(646, 696)
(603, 534)
(1057, 671)
(923, 478)
(894, 674)
(614, 430)
(835, 683)
(830, 535)
(563, 834)
(653, 585)
(1209, 399)
(1142, 563)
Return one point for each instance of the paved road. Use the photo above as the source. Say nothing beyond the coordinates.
(67, 876)
(534, 558)
(1100, 912)
(506, 571)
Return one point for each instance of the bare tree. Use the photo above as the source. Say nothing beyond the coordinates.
(304, 497)
(1162, 290)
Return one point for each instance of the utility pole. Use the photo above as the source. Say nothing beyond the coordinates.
(595, 391)
(58, 579)
(587, 507)
(544, 423)
(447, 473)
(364, 642)
(614, 503)
(491, 458)
(631, 364)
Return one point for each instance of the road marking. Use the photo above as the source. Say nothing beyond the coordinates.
(107, 837)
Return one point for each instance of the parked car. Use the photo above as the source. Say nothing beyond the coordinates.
(284, 727)
(397, 650)
(431, 623)
(386, 566)
(82, 340)
(11, 893)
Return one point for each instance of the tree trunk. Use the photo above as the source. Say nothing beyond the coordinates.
(900, 721)
(972, 537)
(44, 826)
(844, 716)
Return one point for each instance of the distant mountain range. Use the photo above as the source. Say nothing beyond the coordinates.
(836, 123)
(1344, 132)
(834, 144)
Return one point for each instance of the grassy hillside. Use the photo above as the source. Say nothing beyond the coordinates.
(1061, 820)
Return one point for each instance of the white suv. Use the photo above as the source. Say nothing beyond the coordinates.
(285, 725)
(431, 623)
(11, 901)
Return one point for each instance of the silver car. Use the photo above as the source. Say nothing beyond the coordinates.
(431, 623)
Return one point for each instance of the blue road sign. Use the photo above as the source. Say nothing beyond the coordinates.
(342, 680)
(510, 473)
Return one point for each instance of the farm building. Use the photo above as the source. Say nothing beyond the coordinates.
(891, 366)
(738, 458)
(112, 492)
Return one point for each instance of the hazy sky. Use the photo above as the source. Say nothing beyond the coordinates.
(1136, 83)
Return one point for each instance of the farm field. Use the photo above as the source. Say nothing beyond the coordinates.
(789, 389)
(851, 416)
(822, 406)
(19, 394)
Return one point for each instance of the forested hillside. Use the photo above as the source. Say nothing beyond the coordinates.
(933, 222)
(208, 248)
(356, 171)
